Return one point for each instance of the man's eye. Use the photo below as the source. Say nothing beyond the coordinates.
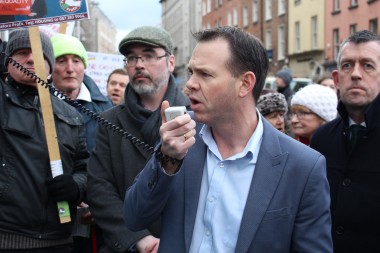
(148, 57)
(346, 66)
(131, 58)
(21, 53)
(368, 66)
(204, 74)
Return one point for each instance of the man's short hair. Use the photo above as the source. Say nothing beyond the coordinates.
(120, 71)
(358, 37)
(247, 53)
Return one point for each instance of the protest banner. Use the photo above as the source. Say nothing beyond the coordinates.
(22, 13)
(101, 65)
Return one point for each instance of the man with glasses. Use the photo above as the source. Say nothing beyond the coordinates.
(116, 161)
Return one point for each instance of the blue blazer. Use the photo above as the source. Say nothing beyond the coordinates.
(287, 209)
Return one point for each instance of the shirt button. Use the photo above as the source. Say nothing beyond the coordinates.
(208, 233)
(346, 182)
(339, 230)
(221, 165)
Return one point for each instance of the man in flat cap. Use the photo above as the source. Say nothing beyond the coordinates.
(116, 161)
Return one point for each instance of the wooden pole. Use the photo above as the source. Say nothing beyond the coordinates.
(62, 28)
(48, 117)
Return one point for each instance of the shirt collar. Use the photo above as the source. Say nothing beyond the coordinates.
(252, 147)
(352, 122)
(84, 93)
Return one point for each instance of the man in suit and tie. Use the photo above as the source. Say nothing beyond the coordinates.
(231, 182)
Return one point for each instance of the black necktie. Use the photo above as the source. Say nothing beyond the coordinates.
(356, 132)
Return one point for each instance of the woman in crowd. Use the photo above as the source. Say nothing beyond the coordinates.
(311, 107)
(327, 81)
(273, 107)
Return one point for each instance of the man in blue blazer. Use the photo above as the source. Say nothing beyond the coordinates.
(239, 185)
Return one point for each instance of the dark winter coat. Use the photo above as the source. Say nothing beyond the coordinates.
(113, 166)
(26, 208)
(354, 177)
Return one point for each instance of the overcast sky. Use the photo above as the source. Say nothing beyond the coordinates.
(129, 14)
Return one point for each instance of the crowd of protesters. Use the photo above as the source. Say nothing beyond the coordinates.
(246, 169)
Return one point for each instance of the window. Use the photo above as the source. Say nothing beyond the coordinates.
(314, 32)
(235, 17)
(229, 19)
(353, 28)
(297, 2)
(336, 42)
(216, 4)
(268, 39)
(255, 11)
(297, 39)
(281, 43)
(208, 6)
(336, 5)
(281, 7)
(354, 2)
(373, 26)
(220, 22)
(268, 9)
(220, 2)
(245, 16)
(204, 10)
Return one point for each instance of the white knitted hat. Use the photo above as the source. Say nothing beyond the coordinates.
(321, 100)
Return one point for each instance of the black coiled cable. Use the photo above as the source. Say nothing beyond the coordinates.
(81, 108)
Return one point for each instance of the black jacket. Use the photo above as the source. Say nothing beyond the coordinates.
(26, 208)
(354, 177)
(112, 168)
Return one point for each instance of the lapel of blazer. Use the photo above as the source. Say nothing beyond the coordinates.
(194, 164)
(267, 175)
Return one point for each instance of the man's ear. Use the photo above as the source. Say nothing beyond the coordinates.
(335, 77)
(171, 63)
(247, 83)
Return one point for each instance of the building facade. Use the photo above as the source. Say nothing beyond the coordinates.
(306, 38)
(98, 34)
(266, 19)
(181, 19)
(344, 17)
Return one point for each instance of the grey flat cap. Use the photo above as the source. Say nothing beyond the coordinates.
(149, 35)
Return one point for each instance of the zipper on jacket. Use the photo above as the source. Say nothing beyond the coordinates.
(38, 108)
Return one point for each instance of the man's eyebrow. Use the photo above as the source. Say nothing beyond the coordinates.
(148, 49)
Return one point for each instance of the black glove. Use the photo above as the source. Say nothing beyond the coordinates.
(63, 188)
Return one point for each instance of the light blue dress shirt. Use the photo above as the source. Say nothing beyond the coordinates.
(224, 191)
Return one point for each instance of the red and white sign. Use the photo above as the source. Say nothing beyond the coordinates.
(15, 7)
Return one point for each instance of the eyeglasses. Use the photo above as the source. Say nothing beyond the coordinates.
(300, 115)
(147, 59)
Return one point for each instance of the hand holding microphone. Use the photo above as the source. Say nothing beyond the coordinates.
(177, 134)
